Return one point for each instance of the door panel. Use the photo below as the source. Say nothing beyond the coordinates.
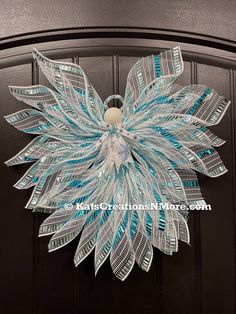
(17, 227)
(217, 228)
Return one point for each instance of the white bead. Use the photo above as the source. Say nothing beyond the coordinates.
(113, 115)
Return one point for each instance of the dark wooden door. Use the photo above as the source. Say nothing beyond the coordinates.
(199, 278)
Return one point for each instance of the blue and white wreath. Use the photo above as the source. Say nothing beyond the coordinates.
(146, 152)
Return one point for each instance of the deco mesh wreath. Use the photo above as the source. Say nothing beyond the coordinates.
(145, 153)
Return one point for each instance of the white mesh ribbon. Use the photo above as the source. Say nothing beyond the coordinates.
(79, 160)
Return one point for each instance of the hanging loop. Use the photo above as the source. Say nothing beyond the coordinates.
(113, 97)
